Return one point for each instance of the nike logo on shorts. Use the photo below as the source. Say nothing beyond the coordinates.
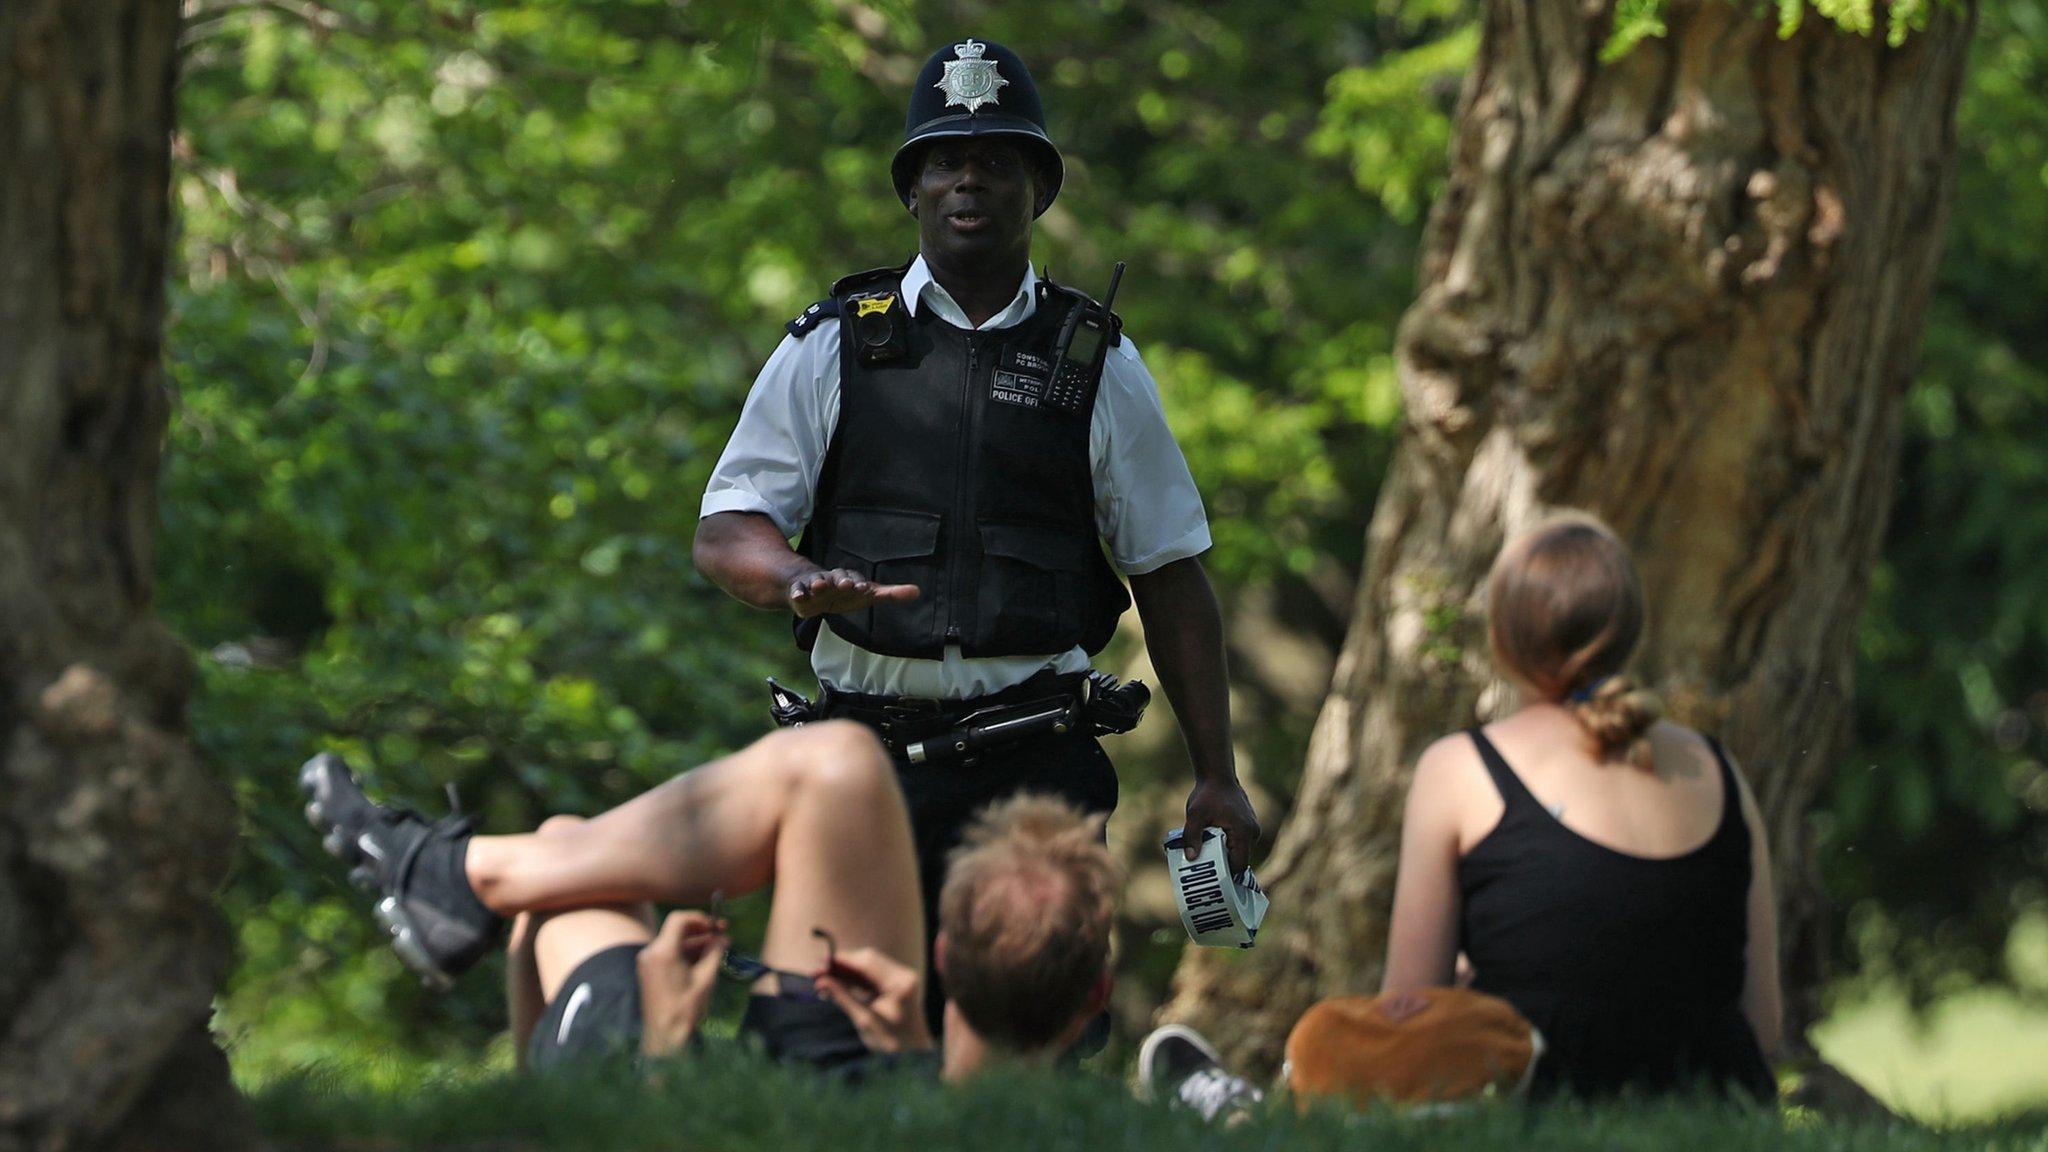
(577, 1000)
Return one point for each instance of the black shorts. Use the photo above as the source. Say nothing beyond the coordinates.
(597, 1016)
(800, 1030)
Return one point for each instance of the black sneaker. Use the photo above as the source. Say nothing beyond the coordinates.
(335, 805)
(1178, 1066)
(438, 926)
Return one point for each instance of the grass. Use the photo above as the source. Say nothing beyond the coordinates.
(727, 1099)
(1972, 1058)
(1977, 1056)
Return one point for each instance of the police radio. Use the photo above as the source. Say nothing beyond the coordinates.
(1082, 346)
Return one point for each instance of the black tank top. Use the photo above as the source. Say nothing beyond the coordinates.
(1631, 967)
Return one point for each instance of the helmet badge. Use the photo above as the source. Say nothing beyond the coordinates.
(970, 80)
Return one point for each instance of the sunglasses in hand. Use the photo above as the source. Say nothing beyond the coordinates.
(795, 985)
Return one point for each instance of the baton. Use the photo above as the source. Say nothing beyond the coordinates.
(1008, 725)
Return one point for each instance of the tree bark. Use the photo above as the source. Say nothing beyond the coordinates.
(112, 837)
(1683, 289)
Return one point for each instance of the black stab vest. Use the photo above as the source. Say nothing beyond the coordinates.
(957, 466)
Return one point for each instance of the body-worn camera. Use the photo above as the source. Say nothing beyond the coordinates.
(881, 327)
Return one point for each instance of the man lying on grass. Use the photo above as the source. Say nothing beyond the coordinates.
(1024, 916)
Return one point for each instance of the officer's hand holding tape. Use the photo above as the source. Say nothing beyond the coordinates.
(1222, 804)
(824, 591)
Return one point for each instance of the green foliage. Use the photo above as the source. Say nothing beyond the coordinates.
(1901, 17)
(450, 383)
(1937, 823)
(1636, 19)
(1387, 121)
(1857, 16)
(1633, 20)
(727, 1100)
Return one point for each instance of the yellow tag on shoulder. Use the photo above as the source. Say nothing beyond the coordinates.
(873, 305)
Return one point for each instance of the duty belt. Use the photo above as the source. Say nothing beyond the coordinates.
(926, 731)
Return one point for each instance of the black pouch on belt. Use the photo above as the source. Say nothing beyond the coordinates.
(788, 707)
(1114, 707)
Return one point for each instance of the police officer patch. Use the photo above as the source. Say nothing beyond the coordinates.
(1021, 380)
(969, 80)
(1010, 388)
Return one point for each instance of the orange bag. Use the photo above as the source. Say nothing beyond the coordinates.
(1428, 1046)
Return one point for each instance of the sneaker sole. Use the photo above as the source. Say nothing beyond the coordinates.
(405, 940)
(315, 780)
(1149, 1050)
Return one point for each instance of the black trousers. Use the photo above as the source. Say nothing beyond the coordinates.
(945, 798)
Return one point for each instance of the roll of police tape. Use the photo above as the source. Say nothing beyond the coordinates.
(1218, 910)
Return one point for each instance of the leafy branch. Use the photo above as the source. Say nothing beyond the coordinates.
(1635, 20)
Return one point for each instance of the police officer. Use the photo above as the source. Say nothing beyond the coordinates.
(953, 438)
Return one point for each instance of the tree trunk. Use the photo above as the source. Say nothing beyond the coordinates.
(1683, 289)
(112, 837)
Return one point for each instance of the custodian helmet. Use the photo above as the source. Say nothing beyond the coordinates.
(975, 88)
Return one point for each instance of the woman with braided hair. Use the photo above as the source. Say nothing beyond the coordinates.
(1602, 869)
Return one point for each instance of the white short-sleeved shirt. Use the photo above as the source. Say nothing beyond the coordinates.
(1146, 504)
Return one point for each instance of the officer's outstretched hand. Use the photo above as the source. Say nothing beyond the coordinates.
(1222, 804)
(843, 590)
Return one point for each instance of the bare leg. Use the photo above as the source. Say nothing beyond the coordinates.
(545, 947)
(523, 1000)
(562, 940)
(816, 810)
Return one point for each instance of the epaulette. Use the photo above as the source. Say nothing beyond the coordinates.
(1047, 286)
(811, 317)
(827, 309)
